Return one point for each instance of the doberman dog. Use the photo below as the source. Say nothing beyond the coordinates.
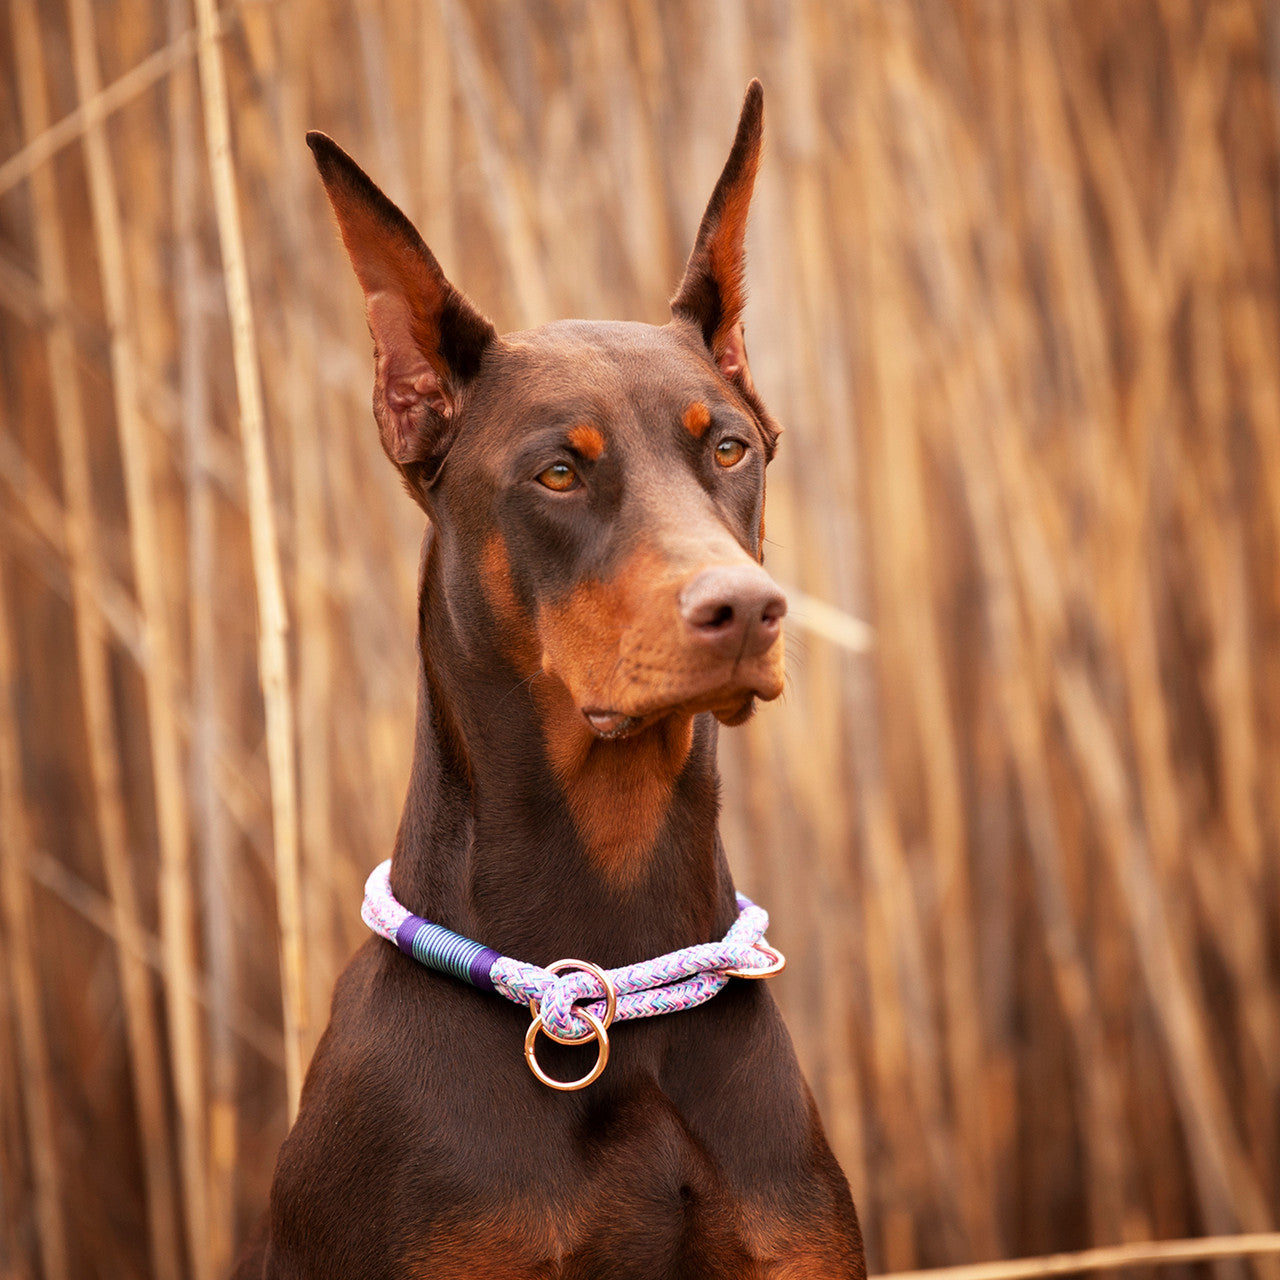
(592, 602)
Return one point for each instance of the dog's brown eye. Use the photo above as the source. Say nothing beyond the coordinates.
(730, 452)
(560, 476)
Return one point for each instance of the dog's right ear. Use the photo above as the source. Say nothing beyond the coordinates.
(427, 338)
(712, 293)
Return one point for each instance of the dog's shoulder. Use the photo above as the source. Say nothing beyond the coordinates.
(376, 1145)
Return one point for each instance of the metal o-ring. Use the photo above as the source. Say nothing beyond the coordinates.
(779, 962)
(567, 1086)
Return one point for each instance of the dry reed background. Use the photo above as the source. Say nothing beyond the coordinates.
(1015, 294)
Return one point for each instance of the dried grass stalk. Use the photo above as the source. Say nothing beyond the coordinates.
(34, 1084)
(272, 621)
(1015, 292)
(160, 675)
(83, 540)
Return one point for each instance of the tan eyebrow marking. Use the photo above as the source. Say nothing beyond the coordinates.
(587, 440)
(697, 418)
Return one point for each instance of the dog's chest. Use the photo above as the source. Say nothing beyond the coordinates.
(708, 1175)
(428, 1170)
(653, 1206)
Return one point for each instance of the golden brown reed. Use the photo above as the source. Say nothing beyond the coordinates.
(1014, 292)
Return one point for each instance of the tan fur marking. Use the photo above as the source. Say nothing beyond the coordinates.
(587, 440)
(519, 1244)
(618, 792)
(531, 1239)
(697, 418)
(495, 580)
(621, 646)
(791, 1250)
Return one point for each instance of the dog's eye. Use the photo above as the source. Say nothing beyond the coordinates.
(730, 452)
(560, 476)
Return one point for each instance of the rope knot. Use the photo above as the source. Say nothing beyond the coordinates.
(561, 993)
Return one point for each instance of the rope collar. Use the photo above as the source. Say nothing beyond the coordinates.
(678, 980)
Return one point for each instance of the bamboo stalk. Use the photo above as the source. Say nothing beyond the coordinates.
(272, 620)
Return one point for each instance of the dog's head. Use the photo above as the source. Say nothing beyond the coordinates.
(596, 489)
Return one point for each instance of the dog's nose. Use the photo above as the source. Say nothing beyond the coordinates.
(736, 610)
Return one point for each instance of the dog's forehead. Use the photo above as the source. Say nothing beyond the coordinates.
(590, 369)
(610, 341)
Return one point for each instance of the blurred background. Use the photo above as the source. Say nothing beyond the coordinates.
(1014, 295)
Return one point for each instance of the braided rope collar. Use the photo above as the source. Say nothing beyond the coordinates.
(678, 980)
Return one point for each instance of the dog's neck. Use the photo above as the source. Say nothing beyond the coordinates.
(489, 844)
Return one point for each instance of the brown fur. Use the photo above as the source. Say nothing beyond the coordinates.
(577, 646)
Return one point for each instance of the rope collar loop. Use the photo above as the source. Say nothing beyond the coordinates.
(577, 1006)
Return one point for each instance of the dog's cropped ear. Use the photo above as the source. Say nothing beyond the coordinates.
(427, 338)
(712, 293)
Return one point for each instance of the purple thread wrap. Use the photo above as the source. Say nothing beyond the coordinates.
(404, 934)
(482, 969)
(678, 980)
(441, 948)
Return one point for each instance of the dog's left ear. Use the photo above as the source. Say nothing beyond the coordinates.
(712, 293)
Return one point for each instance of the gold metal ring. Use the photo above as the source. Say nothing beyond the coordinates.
(610, 996)
(567, 1086)
(779, 962)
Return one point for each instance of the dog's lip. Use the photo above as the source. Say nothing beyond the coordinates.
(737, 714)
(612, 724)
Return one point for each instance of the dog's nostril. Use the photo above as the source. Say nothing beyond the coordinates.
(733, 610)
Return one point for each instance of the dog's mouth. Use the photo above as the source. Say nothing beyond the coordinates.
(610, 725)
(613, 726)
(731, 701)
